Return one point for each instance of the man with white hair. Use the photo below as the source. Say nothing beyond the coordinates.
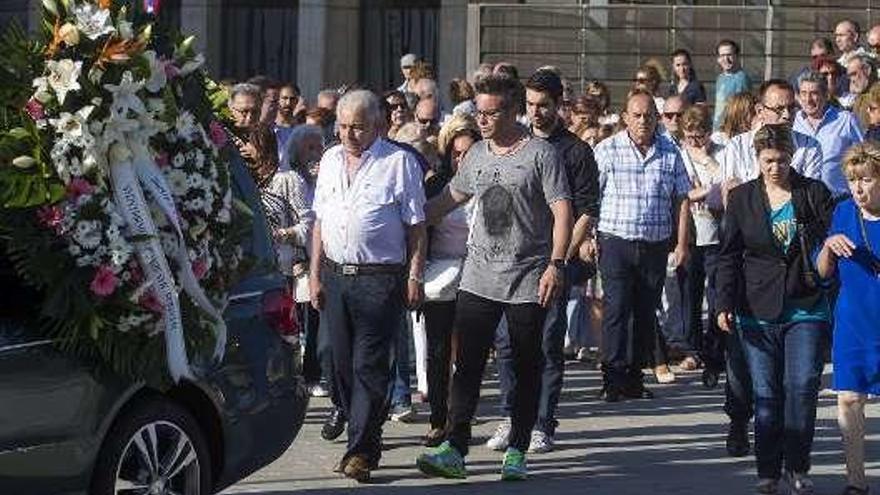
(368, 256)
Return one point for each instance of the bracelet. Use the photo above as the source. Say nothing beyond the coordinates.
(416, 278)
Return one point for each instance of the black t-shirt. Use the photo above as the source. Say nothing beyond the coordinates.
(581, 170)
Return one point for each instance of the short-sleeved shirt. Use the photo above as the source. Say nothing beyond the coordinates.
(836, 133)
(511, 237)
(726, 86)
(364, 221)
(739, 160)
(639, 191)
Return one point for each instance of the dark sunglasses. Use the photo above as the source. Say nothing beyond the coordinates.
(671, 115)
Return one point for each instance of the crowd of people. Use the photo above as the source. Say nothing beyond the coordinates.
(532, 223)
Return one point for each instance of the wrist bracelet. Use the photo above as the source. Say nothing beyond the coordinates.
(416, 278)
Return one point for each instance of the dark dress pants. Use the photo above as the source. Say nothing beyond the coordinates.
(309, 318)
(476, 319)
(633, 273)
(363, 314)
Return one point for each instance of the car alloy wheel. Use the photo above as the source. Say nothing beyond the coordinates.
(159, 459)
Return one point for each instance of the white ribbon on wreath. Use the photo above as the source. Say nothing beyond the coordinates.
(133, 170)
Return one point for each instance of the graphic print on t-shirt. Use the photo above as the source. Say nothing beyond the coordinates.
(783, 224)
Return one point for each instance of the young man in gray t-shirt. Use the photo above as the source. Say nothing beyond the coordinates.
(520, 231)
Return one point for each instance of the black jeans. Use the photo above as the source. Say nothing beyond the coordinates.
(632, 278)
(476, 319)
(553, 344)
(363, 314)
(439, 318)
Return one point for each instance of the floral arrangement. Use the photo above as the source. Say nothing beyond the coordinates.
(115, 191)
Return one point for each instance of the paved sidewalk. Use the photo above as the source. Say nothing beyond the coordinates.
(673, 444)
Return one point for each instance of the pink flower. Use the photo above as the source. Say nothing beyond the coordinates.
(51, 216)
(151, 302)
(200, 269)
(105, 282)
(162, 159)
(35, 109)
(79, 187)
(218, 134)
(171, 71)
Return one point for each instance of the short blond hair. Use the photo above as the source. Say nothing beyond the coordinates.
(863, 157)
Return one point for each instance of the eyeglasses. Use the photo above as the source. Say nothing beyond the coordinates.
(641, 79)
(781, 109)
(405, 67)
(397, 106)
(490, 114)
(671, 115)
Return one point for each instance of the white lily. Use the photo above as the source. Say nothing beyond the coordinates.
(125, 96)
(157, 79)
(63, 77)
(93, 21)
(42, 93)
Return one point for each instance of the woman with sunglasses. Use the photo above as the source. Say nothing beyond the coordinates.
(852, 253)
(700, 159)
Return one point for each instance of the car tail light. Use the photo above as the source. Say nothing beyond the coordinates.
(279, 312)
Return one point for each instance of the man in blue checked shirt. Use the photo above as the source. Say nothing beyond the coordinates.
(644, 211)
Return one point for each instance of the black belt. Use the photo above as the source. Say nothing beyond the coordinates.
(350, 270)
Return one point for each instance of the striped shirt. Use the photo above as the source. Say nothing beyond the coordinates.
(639, 191)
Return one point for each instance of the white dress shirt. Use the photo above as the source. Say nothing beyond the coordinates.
(363, 221)
(739, 160)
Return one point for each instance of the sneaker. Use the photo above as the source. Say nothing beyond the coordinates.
(319, 390)
(514, 466)
(402, 413)
(444, 462)
(334, 425)
(501, 438)
(800, 484)
(540, 442)
(767, 486)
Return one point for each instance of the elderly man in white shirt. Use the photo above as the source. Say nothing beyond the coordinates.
(368, 255)
(777, 106)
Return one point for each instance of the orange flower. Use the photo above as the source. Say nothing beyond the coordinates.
(105, 4)
(117, 50)
(55, 44)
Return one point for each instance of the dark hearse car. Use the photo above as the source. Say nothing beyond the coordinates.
(68, 425)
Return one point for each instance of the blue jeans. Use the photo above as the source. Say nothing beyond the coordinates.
(401, 371)
(785, 362)
(555, 327)
(363, 315)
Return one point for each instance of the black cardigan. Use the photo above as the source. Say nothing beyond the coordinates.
(755, 276)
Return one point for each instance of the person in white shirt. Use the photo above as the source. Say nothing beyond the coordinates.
(846, 36)
(368, 255)
(776, 106)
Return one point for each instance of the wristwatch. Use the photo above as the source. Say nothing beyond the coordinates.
(558, 263)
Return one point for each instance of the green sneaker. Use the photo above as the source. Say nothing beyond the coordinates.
(514, 467)
(444, 461)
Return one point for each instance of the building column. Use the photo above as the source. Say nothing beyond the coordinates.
(452, 49)
(328, 48)
(202, 19)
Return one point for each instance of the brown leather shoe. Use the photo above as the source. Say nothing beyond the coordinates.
(357, 468)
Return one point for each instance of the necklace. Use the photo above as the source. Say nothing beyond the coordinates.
(513, 148)
(875, 262)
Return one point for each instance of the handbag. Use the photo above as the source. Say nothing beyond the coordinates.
(442, 277)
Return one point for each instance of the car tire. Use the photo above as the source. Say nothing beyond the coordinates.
(155, 444)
